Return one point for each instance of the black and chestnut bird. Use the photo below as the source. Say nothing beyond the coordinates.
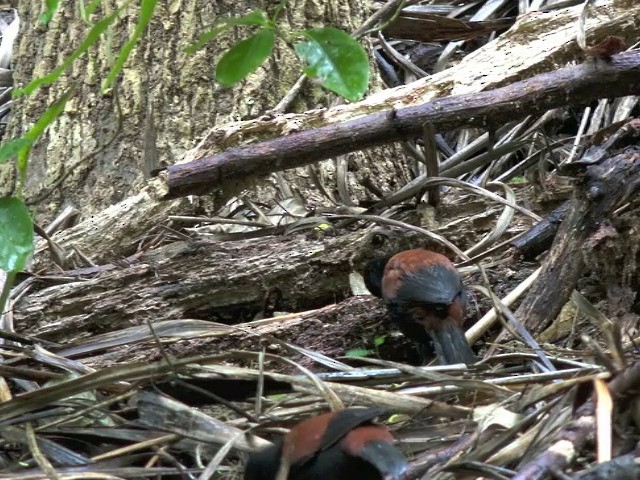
(342, 445)
(426, 298)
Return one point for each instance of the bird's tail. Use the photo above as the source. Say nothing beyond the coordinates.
(451, 346)
(386, 458)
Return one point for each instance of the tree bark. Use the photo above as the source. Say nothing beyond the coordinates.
(230, 282)
(577, 85)
(169, 99)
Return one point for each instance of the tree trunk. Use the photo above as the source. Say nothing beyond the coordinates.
(168, 98)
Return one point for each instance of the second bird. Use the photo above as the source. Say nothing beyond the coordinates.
(426, 298)
(342, 445)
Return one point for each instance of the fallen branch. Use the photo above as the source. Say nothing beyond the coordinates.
(601, 189)
(230, 282)
(575, 85)
(540, 237)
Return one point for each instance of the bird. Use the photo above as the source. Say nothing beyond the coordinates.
(340, 445)
(425, 296)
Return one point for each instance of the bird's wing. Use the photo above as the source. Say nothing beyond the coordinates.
(345, 421)
(435, 284)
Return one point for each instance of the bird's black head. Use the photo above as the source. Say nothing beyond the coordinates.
(373, 273)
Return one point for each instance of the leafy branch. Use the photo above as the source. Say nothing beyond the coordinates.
(332, 56)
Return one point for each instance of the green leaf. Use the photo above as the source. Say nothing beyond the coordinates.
(277, 396)
(337, 60)
(89, 40)
(255, 17)
(52, 6)
(147, 8)
(245, 57)
(87, 10)
(16, 234)
(358, 352)
(12, 148)
(91, 7)
(379, 340)
(518, 180)
(38, 129)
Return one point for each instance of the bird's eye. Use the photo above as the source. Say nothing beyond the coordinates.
(441, 310)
